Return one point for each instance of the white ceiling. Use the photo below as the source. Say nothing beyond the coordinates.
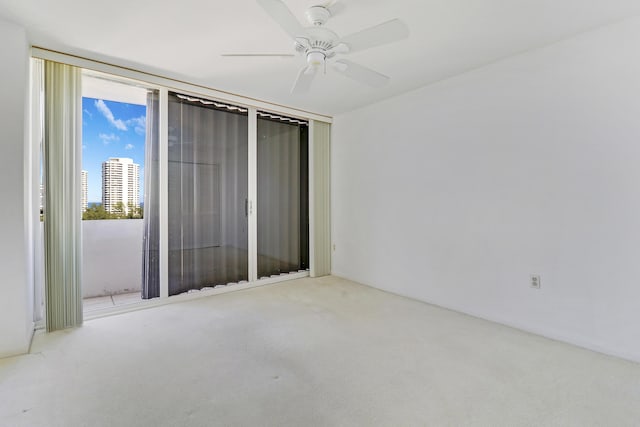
(185, 38)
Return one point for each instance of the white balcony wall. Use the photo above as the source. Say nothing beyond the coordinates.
(111, 256)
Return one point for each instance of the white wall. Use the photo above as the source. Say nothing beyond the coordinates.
(455, 193)
(16, 249)
(111, 256)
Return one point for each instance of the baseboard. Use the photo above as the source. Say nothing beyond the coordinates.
(582, 343)
(25, 348)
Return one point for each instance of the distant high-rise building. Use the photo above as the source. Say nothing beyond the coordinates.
(120, 184)
(83, 197)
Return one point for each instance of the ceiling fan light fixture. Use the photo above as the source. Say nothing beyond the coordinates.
(315, 58)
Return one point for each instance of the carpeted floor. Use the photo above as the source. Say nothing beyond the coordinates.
(311, 352)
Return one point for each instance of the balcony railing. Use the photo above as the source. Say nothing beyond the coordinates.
(111, 257)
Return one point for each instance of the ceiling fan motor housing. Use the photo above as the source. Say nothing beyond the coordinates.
(321, 38)
(317, 45)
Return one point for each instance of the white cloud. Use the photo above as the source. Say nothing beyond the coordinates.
(107, 139)
(139, 124)
(106, 112)
(129, 147)
(88, 113)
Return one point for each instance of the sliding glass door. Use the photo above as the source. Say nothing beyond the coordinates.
(209, 203)
(283, 195)
(207, 194)
(226, 187)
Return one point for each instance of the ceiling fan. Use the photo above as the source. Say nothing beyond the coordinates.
(319, 45)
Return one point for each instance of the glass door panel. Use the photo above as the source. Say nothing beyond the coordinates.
(207, 179)
(282, 196)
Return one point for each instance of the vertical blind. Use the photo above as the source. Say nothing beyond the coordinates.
(151, 234)
(283, 196)
(321, 203)
(62, 214)
(207, 195)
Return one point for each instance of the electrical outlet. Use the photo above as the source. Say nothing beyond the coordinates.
(334, 247)
(535, 281)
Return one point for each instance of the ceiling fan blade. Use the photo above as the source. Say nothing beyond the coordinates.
(283, 16)
(334, 6)
(360, 73)
(283, 55)
(303, 82)
(384, 33)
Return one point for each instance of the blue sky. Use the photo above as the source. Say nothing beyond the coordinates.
(110, 129)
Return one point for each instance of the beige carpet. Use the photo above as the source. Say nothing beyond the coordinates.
(325, 352)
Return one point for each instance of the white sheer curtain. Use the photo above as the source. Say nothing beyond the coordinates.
(151, 235)
(208, 163)
(62, 211)
(283, 197)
